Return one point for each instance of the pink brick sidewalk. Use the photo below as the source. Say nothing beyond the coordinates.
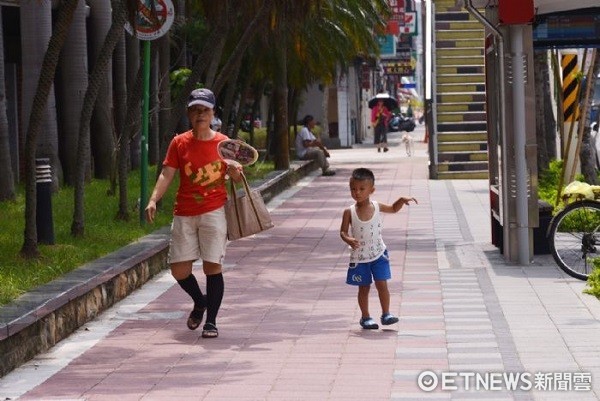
(289, 323)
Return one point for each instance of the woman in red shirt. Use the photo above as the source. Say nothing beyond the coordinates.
(199, 228)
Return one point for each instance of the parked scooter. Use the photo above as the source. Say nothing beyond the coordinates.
(400, 122)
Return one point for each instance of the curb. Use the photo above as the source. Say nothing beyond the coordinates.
(44, 316)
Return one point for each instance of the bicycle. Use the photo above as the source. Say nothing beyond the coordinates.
(574, 232)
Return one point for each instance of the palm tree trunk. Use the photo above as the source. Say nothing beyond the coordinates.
(231, 93)
(280, 99)
(38, 108)
(164, 96)
(215, 60)
(120, 91)
(201, 64)
(133, 66)
(241, 46)
(72, 84)
(7, 181)
(154, 129)
(36, 24)
(101, 125)
(134, 101)
(180, 60)
(97, 79)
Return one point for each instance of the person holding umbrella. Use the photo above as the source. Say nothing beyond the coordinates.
(380, 117)
(381, 105)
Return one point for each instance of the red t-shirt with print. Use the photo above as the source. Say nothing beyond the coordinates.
(201, 174)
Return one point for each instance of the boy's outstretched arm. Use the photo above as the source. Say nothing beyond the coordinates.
(344, 230)
(396, 206)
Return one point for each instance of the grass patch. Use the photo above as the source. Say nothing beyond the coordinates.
(103, 233)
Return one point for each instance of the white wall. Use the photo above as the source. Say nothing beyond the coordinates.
(347, 91)
(312, 104)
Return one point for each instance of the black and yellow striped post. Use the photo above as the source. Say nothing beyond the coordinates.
(570, 70)
(570, 92)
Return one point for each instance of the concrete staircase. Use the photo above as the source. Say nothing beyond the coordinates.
(461, 127)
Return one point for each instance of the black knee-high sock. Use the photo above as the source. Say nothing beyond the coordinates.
(215, 287)
(190, 285)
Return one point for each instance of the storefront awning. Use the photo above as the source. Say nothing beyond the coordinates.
(541, 6)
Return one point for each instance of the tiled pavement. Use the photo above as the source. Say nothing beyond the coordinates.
(289, 325)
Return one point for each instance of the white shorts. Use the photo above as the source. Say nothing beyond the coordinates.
(199, 237)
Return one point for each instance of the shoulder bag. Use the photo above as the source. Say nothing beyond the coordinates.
(246, 212)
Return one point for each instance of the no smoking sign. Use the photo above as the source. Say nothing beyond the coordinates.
(152, 24)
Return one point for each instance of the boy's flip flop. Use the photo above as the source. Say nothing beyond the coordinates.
(388, 319)
(368, 323)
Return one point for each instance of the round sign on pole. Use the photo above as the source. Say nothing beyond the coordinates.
(152, 25)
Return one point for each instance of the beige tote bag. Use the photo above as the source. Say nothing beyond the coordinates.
(246, 212)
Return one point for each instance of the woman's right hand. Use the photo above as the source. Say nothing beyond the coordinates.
(150, 211)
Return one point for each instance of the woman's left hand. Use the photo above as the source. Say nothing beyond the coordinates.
(234, 170)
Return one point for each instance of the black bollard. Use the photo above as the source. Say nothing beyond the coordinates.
(43, 213)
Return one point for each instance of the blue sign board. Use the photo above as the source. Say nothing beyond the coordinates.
(387, 47)
(572, 29)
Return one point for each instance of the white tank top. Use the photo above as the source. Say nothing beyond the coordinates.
(368, 234)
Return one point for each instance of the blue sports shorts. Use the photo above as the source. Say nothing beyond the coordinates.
(365, 273)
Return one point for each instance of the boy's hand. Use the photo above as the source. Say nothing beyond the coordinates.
(408, 200)
(354, 244)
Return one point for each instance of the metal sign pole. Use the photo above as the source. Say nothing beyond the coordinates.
(148, 29)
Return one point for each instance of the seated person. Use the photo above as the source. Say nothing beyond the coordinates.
(308, 147)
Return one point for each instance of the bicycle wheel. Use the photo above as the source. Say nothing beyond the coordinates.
(575, 240)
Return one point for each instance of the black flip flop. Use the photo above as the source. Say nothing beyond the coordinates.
(195, 318)
(210, 331)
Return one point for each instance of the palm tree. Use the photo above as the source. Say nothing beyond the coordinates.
(97, 79)
(72, 80)
(205, 55)
(164, 97)
(132, 46)
(324, 40)
(30, 16)
(122, 143)
(154, 106)
(101, 125)
(7, 183)
(38, 108)
(38, 15)
(280, 86)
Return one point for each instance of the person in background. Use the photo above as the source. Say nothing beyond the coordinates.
(216, 124)
(308, 147)
(380, 118)
(199, 228)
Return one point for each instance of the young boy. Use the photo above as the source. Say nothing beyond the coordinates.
(368, 258)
